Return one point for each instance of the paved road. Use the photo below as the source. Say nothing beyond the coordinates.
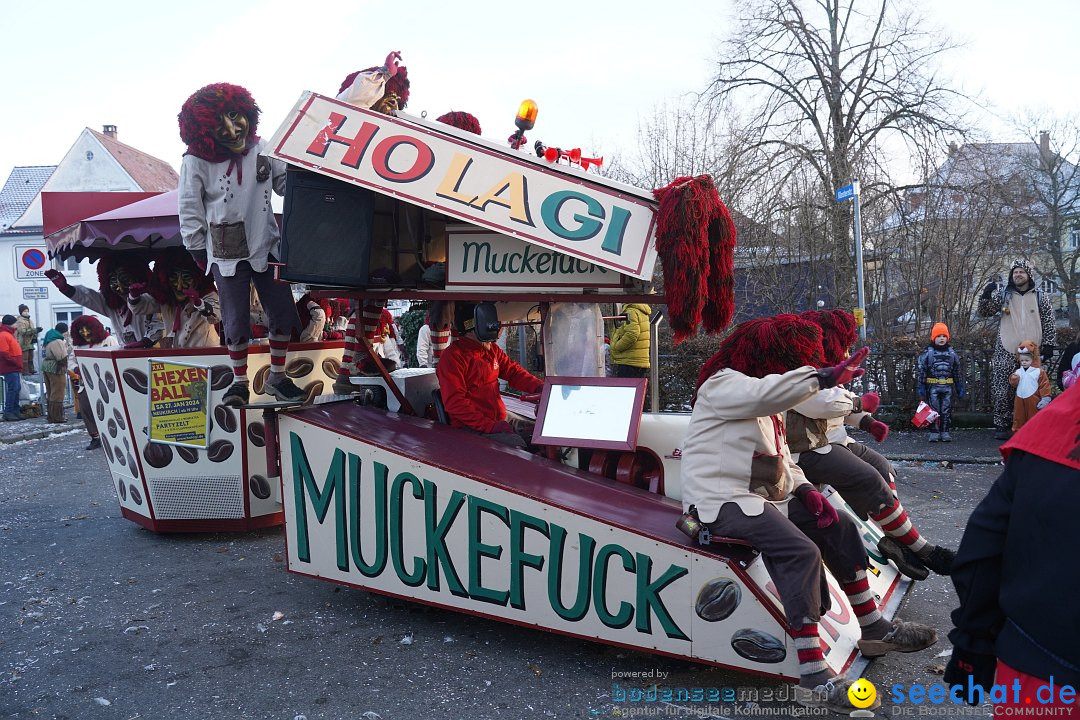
(101, 619)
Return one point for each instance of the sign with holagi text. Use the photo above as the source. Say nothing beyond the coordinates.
(504, 190)
(179, 397)
(476, 258)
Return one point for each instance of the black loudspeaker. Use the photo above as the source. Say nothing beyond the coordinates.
(326, 231)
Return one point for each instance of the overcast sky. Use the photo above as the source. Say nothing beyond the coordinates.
(594, 68)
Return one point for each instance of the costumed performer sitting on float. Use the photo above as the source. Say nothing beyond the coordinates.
(116, 274)
(230, 230)
(314, 313)
(737, 474)
(186, 298)
(820, 444)
(469, 371)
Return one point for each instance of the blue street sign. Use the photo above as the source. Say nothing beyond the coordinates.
(845, 193)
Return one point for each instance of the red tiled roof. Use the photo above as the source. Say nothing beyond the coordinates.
(148, 172)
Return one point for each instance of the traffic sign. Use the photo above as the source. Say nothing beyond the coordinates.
(31, 262)
(35, 293)
(845, 193)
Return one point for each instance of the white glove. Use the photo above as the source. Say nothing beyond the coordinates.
(1043, 403)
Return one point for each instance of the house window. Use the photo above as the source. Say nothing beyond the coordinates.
(70, 266)
(66, 315)
(1073, 241)
(1048, 286)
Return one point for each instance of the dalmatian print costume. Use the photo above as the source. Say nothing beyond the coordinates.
(1003, 361)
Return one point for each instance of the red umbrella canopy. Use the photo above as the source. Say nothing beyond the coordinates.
(147, 224)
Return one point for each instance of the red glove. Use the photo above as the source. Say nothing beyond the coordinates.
(60, 281)
(877, 429)
(135, 290)
(391, 63)
(818, 506)
(501, 427)
(531, 397)
(193, 296)
(844, 372)
(870, 402)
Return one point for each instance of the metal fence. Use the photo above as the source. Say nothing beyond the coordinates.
(889, 373)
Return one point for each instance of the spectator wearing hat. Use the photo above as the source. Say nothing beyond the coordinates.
(1031, 384)
(11, 366)
(26, 333)
(938, 373)
(54, 368)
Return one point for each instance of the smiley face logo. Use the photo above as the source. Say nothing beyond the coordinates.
(862, 693)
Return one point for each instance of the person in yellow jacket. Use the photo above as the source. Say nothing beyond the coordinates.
(630, 342)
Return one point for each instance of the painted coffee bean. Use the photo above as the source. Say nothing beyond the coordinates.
(120, 456)
(257, 434)
(103, 391)
(132, 466)
(314, 390)
(258, 383)
(99, 408)
(187, 454)
(108, 451)
(299, 367)
(717, 599)
(226, 418)
(221, 377)
(112, 427)
(121, 488)
(110, 381)
(219, 451)
(331, 367)
(135, 494)
(136, 380)
(126, 446)
(260, 486)
(87, 380)
(119, 419)
(157, 455)
(97, 371)
(758, 646)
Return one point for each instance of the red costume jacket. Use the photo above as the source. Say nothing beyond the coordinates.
(469, 374)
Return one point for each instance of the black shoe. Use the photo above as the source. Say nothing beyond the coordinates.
(946, 437)
(284, 389)
(906, 561)
(1002, 435)
(237, 395)
(95, 443)
(940, 560)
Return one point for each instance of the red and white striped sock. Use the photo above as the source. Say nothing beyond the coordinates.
(238, 359)
(279, 348)
(862, 600)
(440, 340)
(808, 648)
(894, 521)
(348, 357)
(370, 317)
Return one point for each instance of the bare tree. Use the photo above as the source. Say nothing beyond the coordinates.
(827, 87)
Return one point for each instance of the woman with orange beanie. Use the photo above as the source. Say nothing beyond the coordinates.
(938, 373)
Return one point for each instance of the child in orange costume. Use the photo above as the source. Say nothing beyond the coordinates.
(1031, 383)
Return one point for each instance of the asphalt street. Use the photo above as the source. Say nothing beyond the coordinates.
(102, 619)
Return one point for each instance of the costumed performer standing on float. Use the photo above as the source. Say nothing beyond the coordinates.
(229, 227)
(738, 475)
(117, 272)
(186, 298)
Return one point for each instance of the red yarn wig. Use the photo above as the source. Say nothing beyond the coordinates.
(839, 332)
(766, 346)
(97, 330)
(461, 120)
(695, 238)
(201, 114)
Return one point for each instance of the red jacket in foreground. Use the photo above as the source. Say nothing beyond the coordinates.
(469, 372)
(11, 357)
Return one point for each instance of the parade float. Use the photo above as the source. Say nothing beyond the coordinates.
(387, 497)
(180, 461)
(376, 491)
